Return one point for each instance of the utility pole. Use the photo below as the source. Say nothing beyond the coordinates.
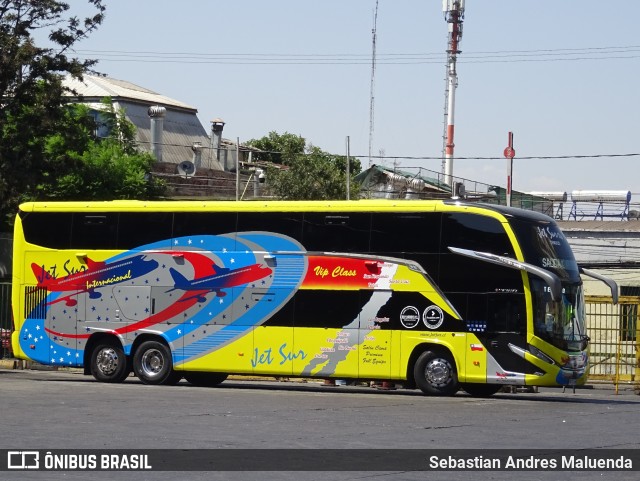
(509, 154)
(454, 15)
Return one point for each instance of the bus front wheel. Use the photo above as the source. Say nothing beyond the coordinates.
(435, 374)
(109, 363)
(152, 364)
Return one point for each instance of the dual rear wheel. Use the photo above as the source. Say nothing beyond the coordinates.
(152, 364)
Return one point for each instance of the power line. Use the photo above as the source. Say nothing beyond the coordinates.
(497, 56)
(532, 157)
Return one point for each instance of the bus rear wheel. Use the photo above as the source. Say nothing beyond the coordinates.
(109, 363)
(152, 364)
(435, 374)
(205, 379)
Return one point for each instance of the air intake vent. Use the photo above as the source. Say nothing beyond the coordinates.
(35, 306)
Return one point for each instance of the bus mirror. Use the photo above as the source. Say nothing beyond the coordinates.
(608, 281)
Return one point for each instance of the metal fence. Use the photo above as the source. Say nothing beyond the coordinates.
(5, 319)
(615, 340)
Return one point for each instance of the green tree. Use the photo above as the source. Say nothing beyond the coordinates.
(32, 94)
(301, 171)
(279, 148)
(98, 169)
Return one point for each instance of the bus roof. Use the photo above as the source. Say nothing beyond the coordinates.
(363, 205)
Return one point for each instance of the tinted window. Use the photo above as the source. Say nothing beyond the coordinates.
(94, 231)
(287, 223)
(405, 232)
(475, 232)
(462, 274)
(48, 229)
(204, 223)
(137, 229)
(337, 232)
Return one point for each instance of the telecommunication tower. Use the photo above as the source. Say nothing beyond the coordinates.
(454, 15)
(374, 36)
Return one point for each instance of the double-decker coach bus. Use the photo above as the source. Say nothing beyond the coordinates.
(436, 295)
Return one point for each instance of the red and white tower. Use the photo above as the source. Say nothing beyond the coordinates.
(454, 15)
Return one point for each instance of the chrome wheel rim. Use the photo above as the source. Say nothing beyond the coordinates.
(438, 372)
(107, 361)
(152, 362)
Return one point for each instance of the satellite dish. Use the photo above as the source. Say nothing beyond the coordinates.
(186, 168)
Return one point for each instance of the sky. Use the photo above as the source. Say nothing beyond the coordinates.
(561, 75)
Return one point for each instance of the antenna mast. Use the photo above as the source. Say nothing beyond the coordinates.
(454, 15)
(374, 34)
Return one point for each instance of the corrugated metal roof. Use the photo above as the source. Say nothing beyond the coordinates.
(94, 87)
(181, 130)
(181, 126)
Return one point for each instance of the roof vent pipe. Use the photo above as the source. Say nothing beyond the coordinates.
(217, 125)
(156, 114)
(197, 154)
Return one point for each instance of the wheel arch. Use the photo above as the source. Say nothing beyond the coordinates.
(149, 336)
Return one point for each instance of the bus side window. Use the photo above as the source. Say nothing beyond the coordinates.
(483, 234)
(414, 236)
(94, 230)
(47, 229)
(204, 223)
(393, 233)
(337, 232)
(475, 232)
(287, 223)
(136, 229)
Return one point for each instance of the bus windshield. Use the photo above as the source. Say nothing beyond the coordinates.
(559, 322)
(562, 322)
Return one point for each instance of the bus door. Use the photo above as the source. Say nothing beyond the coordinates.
(502, 335)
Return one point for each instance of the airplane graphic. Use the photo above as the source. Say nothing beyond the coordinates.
(222, 278)
(98, 274)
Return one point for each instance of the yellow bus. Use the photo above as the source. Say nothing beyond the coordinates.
(438, 295)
